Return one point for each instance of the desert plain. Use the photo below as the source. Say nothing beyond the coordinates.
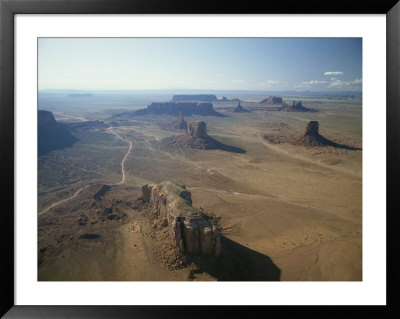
(285, 212)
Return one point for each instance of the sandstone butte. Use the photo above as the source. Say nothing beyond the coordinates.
(190, 231)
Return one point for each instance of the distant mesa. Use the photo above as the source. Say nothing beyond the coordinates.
(193, 97)
(51, 134)
(295, 107)
(240, 109)
(311, 138)
(80, 95)
(196, 137)
(272, 100)
(224, 99)
(180, 124)
(173, 108)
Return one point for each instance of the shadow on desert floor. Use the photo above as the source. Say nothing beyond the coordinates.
(240, 263)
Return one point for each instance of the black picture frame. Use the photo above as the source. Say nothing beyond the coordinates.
(8, 8)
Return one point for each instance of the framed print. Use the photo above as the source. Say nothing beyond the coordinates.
(163, 155)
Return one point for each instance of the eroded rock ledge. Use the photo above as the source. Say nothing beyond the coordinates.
(188, 228)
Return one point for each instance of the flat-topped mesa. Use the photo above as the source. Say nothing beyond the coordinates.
(188, 228)
(195, 97)
(197, 129)
(180, 124)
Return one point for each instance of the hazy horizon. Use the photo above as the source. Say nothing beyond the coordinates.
(207, 64)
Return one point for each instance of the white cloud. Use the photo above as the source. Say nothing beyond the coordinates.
(313, 82)
(310, 83)
(334, 73)
(238, 81)
(273, 82)
(338, 84)
(269, 83)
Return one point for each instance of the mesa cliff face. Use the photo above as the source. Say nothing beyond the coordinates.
(197, 129)
(188, 228)
(174, 108)
(51, 134)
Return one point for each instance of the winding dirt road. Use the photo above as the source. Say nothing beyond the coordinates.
(123, 160)
(64, 200)
(81, 189)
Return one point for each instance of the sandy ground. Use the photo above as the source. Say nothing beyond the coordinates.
(286, 212)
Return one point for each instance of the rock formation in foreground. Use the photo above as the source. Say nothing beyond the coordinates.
(196, 137)
(272, 100)
(295, 107)
(174, 108)
(240, 109)
(190, 231)
(180, 124)
(51, 134)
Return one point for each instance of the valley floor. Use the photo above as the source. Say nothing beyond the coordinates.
(286, 212)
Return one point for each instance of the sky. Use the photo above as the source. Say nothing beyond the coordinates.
(261, 64)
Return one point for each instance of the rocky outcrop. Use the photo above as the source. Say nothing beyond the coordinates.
(190, 231)
(272, 100)
(180, 124)
(196, 97)
(196, 137)
(312, 128)
(197, 130)
(240, 109)
(295, 107)
(310, 138)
